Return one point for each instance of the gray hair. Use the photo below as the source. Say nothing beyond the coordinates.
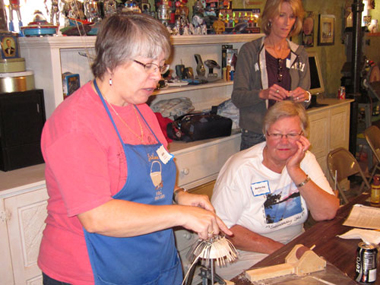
(124, 36)
(286, 109)
(272, 9)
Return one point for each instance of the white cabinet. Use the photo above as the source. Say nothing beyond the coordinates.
(198, 162)
(49, 57)
(197, 165)
(329, 129)
(22, 220)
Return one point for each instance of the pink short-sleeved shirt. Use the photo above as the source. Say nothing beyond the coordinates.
(85, 167)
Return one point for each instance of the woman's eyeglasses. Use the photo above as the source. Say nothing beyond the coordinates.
(289, 137)
(279, 69)
(152, 67)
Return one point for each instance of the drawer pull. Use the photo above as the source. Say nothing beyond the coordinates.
(185, 171)
(187, 236)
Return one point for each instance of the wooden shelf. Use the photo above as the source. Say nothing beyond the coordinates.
(66, 42)
(185, 88)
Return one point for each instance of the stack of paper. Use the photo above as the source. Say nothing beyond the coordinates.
(363, 217)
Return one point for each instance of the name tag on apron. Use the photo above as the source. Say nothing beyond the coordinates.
(164, 155)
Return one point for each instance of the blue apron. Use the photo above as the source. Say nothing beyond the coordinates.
(146, 259)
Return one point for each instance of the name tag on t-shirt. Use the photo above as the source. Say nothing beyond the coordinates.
(260, 188)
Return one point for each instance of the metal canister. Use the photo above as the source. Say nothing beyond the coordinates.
(366, 263)
(342, 92)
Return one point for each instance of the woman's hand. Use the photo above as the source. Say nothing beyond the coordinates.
(275, 92)
(205, 223)
(187, 199)
(299, 95)
(295, 160)
(201, 217)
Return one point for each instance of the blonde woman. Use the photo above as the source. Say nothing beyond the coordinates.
(271, 69)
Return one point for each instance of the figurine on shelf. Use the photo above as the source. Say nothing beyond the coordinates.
(163, 12)
(109, 7)
(204, 29)
(186, 31)
(3, 18)
(73, 9)
(92, 11)
(219, 27)
(198, 19)
(131, 6)
(145, 7)
(14, 5)
(39, 26)
(53, 12)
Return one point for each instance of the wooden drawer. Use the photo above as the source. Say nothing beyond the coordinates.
(201, 163)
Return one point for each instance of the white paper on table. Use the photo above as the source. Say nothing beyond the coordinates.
(368, 236)
(363, 217)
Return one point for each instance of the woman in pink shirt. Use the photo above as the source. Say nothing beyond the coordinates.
(109, 175)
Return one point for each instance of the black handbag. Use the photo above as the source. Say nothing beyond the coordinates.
(199, 126)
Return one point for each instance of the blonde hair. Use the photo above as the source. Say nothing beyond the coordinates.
(272, 9)
(286, 109)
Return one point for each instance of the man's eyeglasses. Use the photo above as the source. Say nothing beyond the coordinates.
(279, 69)
(289, 137)
(152, 67)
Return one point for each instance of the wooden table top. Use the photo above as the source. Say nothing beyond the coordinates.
(339, 252)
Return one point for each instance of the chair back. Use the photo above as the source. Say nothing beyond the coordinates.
(343, 164)
(372, 135)
(341, 161)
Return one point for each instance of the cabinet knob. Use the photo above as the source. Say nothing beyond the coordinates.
(187, 236)
(185, 171)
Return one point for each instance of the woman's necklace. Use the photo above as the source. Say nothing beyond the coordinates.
(141, 136)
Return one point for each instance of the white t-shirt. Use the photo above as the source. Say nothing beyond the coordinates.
(249, 194)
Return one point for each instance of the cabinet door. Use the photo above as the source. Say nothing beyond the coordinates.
(319, 126)
(339, 127)
(25, 225)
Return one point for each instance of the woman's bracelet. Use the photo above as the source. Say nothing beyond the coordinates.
(304, 182)
(175, 193)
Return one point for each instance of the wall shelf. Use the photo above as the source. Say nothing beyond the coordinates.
(63, 42)
(186, 88)
(49, 57)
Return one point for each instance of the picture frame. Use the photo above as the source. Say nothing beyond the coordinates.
(9, 45)
(326, 31)
(308, 30)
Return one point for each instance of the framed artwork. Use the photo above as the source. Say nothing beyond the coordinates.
(308, 30)
(9, 45)
(326, 31)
